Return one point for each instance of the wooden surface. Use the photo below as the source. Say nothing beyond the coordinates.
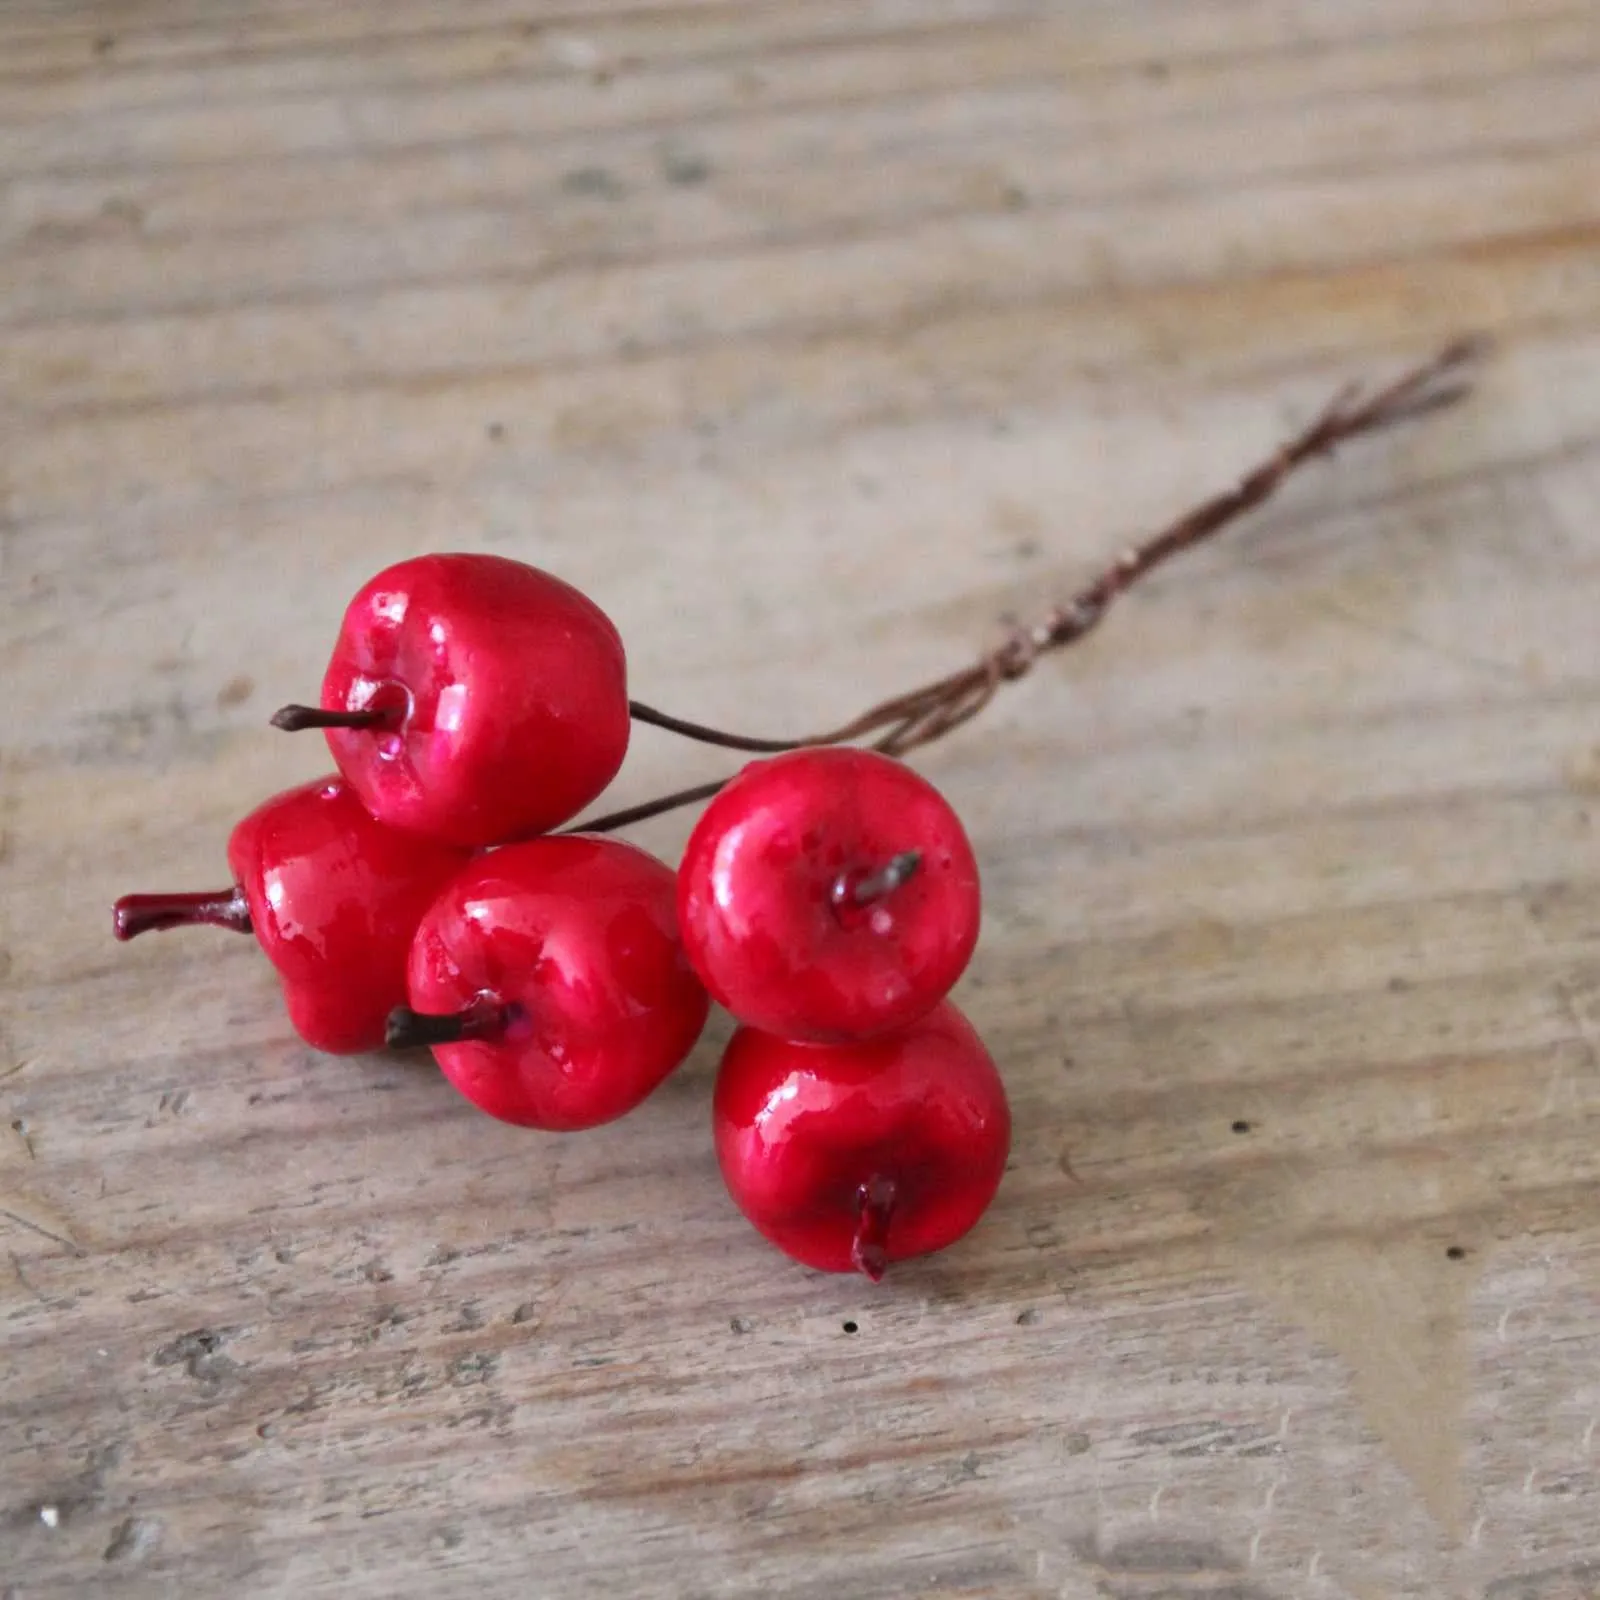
(812, 339)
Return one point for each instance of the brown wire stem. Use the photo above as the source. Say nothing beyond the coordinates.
(697, 731)
(907, 721)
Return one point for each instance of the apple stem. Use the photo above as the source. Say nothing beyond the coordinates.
(875, 1202)
(295, 719)
(876, 885)
(482, 1018)
(698, 731)
(134, 914)
(651, 808)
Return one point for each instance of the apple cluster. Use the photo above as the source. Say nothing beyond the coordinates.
(829, 899)
(420, 897)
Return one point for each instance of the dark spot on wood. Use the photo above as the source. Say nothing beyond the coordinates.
(478, 1367)
(684, 168)
(593, 183)
(851, 1326)
(283, 1255)
(130, 215)
(526, 1312)
(470, 1319)
(375, 1272)
(1077, 1444)
(203, 1341)
(199, 1353)
(236, 691)
(1026, 1319)
(1158, 71)
(105, 43)
(1398, 985)
(1015, 198)
(496, 431)
(741, 1324)
(1241, 1126)
(1456, 1253)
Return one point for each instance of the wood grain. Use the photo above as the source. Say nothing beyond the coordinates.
(813, 340)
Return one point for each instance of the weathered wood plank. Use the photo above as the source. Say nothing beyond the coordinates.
(813, 340)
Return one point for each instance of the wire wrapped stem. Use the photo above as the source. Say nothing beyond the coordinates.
(905, 722)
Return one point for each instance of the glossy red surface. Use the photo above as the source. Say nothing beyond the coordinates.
(803, 1132)
(579, 937)
(335, 898)
(755, 896)
(509, 690)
